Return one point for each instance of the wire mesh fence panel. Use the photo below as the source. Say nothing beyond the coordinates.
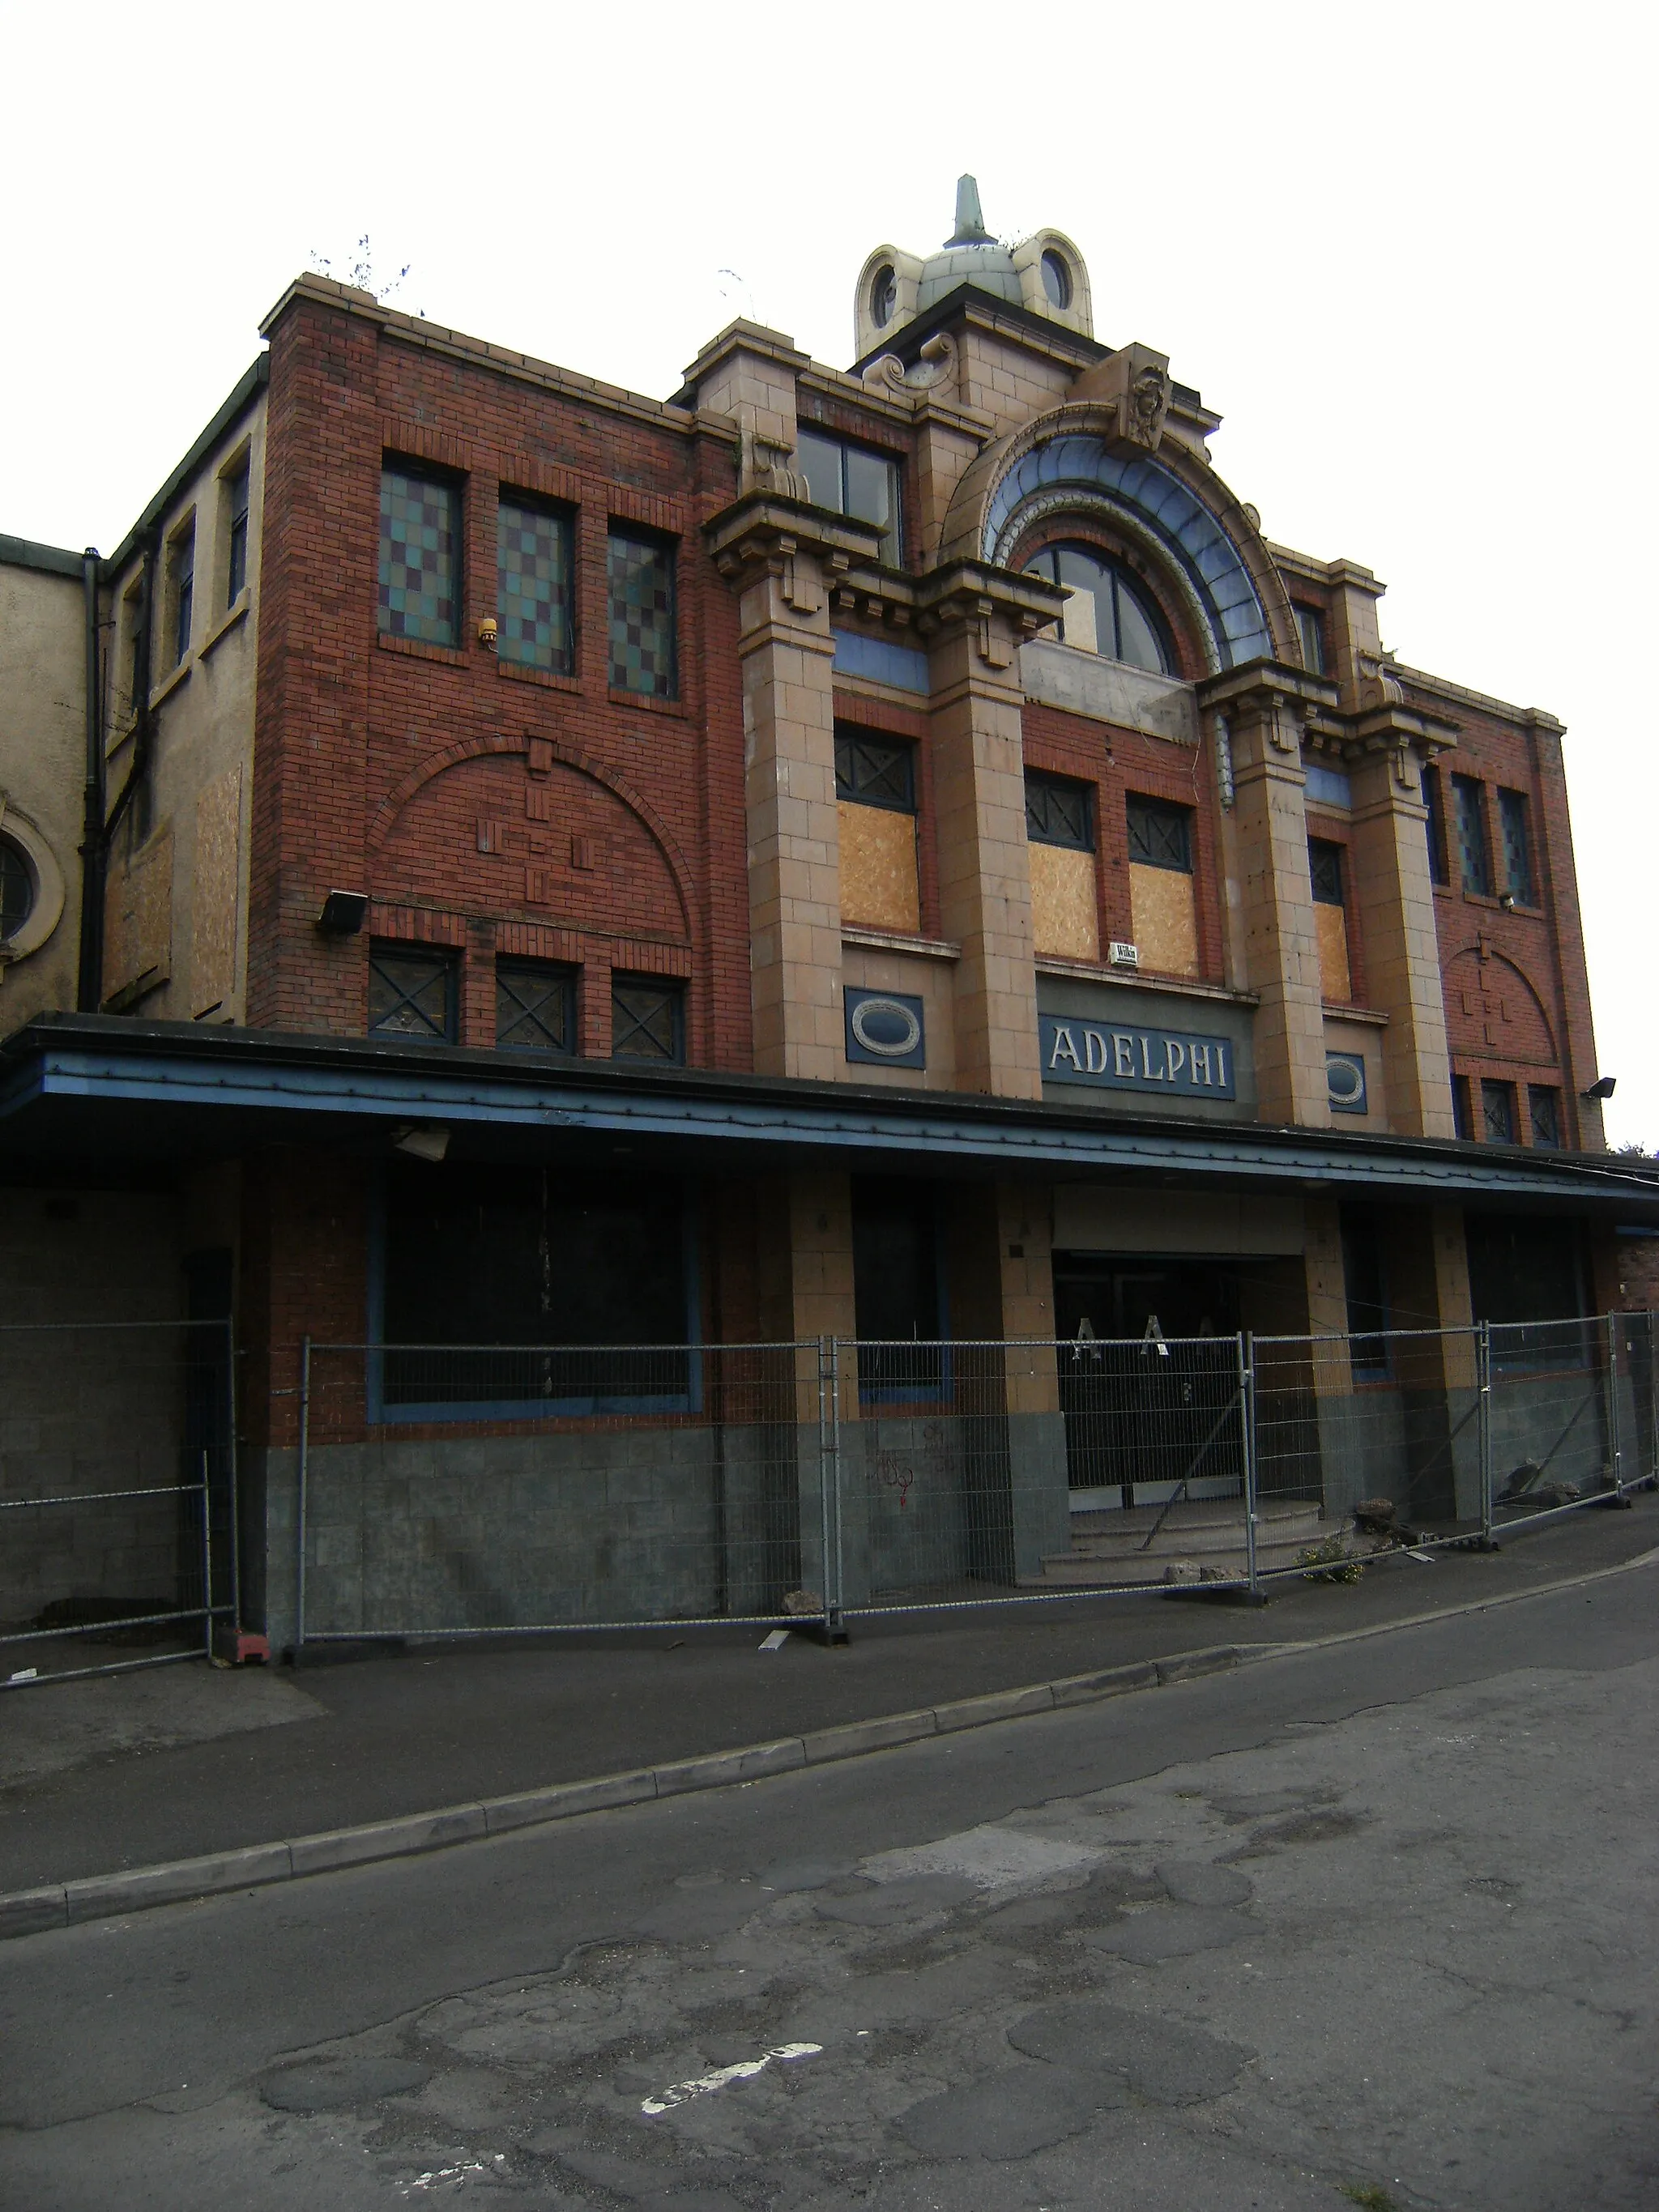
(463, 1490)
(1636, 1399)
(1013, 1471)
(1389, 1423)
(1553, 1417)
(118, 1518)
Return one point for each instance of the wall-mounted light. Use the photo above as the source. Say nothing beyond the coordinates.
(343, 914)
(423, 1141)
(487, 632)
(1506, 900)
(1603, 1087)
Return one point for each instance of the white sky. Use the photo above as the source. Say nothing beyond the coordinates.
(1407, 252)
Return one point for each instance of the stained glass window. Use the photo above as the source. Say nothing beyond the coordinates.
(1471, 822)
(647, 1018)
(532, 568)
(535, 1007)
(411, 992)
(1512, 813)
(1059, 812)
(875, 771)
(1436, 825)
(419, 564)
(641, 571)
(1160, 836)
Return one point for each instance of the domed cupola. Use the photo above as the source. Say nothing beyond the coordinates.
(1043, 274)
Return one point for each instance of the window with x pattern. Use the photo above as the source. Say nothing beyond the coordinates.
(535, 1007)
(411, 992)
(1160, 836)
(533, 567)
(1059, 812)
(642, 585)
(647, 1019)
(1544, 1111)
(875, 771)
(420, 564)
(1498, 1112)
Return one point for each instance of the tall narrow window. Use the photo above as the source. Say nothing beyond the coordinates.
(181, 591)
(132, 633)
(897, 1303)
(641, 582)
(1325, 872)
(420, 563)
(236, 496)
(1544, 1110)
(1463, 1111)
(851, 479)
(1310, 627)
(533, 578)
(1107, 613)
(1160, 902)
(876, 788)
(1367, 1293)
(647, 1019)
(411, 992)
(1060, 831)
(1434, 802)
(1473, 859)
(1514, 819)
(535, 1007)
(1498, 1112)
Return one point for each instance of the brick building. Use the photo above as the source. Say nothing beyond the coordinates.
(890, 852)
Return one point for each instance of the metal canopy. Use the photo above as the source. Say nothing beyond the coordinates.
(98, 1085)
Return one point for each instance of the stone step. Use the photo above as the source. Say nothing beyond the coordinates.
(1196, 1543)
(1073, 1570)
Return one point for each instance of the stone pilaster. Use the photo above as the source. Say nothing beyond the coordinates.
(1273, 926)
(1394, 896)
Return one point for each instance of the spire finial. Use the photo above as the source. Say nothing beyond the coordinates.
(971, 223)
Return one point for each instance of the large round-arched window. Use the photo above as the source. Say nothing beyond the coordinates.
(17, 889)
(1107, 613)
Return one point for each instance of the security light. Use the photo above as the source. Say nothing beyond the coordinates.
(425, 1140)
(1603, 1087)
(343, 914)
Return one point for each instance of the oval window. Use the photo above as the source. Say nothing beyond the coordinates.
(1056, 280)
(886, 1026)
(17, 889)
(1344, 1080)
(884, 295)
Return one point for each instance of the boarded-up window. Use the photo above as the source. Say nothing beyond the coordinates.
(876, 788)
(138, 946)
(1164, 917)
(215, 904)
(1325, 871)
(1060, 831)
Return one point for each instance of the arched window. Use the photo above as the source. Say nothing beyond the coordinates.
(1108, 612)
(17, 889)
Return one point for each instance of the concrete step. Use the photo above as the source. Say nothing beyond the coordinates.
(1281, 1542)
(1193, 1531)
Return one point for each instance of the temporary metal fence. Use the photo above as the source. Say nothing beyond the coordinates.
(492, 1490)
(120, 1546)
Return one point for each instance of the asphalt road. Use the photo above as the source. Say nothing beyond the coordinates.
(1374, 1918)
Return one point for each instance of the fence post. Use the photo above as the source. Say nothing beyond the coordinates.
(232, 1477)
(1483, 1399)
(1615, 1441)
(300, 1502)
(1247, 1407)
(206, 1559)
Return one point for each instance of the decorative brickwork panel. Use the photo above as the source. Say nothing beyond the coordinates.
(418, 558)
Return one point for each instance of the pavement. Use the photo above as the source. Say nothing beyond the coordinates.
(178, 1763)
(1369, 1922)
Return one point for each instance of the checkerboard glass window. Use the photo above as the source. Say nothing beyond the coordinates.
(1512, 816)
(532, 570)
(535, 1007)
(420, 567)
(647, 1019)
(642, 583)
(1467, 814)
(411, 992)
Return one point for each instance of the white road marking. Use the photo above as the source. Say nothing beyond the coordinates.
(681, 2092)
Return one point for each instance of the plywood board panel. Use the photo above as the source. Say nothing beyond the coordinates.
(1064, 910)
(1165, 925)
(214, 902)
(139, 927)
(879, 885)
(1335, 983)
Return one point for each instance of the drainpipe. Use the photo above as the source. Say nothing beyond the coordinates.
(89, 985)
(101, 828)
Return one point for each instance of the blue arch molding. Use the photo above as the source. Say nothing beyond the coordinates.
(1185, 529)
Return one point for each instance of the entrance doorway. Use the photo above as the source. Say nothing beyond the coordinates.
(1148, 1382)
